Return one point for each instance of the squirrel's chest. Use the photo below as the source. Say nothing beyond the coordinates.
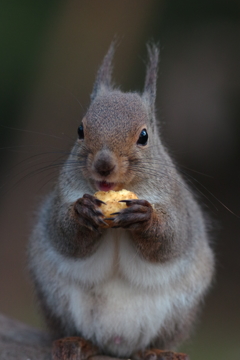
(113, 312)
(115, 316)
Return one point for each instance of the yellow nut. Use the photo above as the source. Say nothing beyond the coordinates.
(112, 198)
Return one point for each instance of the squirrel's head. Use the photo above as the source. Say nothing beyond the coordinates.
(119, 130)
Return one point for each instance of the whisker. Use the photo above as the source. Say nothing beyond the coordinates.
(69, 137)
(31, 132)
(29, 163)
(53, 165)
(189, 178)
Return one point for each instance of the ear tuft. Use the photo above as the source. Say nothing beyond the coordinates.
(104, 73)
(150, 87)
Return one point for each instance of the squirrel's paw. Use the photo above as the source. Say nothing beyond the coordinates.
(73, 348)
(88, 213)
(136, 216)
(156, 354)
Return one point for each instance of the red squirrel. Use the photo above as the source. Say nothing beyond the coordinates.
(137, 285)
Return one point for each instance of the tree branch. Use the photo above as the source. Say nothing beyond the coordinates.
(22, 342)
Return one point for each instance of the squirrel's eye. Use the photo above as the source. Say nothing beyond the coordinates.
(80, 132)
(143, 138)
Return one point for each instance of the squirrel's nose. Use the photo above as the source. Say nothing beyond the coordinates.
(104, 163)
(106, 171)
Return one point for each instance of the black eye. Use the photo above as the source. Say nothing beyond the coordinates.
(80, 132)
(143, 138)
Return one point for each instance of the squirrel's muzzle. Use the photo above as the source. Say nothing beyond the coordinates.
(104, 163)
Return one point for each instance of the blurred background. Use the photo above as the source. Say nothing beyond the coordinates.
(50, 51)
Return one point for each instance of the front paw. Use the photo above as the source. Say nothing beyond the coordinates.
(156, 354)
(137, 216)
(73, 348)
(88, 213)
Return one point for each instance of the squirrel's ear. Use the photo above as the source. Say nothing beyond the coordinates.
(150, 86)
(104, 73)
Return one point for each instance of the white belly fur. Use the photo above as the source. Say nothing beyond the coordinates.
(114, 313)
(116, 316)
(117, 299)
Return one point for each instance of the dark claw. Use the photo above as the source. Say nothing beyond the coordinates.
(108, 218)
(103, 222)
(99, 202)
(97, 212)
(126, 201)
(92, 228)
(116, 213)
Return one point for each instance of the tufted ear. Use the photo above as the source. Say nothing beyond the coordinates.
(150, 86)
(104, 73)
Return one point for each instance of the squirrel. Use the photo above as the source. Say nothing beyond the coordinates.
(139, 284)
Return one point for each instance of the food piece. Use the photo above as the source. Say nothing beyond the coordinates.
(112, 198)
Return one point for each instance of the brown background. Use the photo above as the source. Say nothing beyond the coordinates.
(49, 54)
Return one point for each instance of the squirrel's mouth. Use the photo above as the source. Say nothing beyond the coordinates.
(105, 186)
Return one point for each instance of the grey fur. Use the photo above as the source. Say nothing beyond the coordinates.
(161, 244)
(151, 76)
(104, 73)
